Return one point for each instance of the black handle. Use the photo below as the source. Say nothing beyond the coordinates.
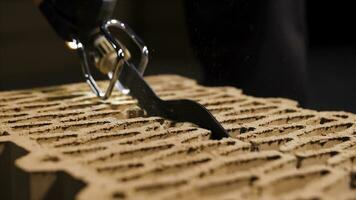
(77, 18)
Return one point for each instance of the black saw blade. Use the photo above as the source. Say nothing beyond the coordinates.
(181, 110)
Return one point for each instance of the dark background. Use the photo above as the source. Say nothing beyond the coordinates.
(332, 55)
(32, 55)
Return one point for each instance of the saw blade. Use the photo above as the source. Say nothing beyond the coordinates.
(181, 110)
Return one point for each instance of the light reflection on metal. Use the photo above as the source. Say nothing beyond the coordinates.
(105, 49)
(74, 44)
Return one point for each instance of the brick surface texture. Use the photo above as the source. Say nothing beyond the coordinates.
(277, 150)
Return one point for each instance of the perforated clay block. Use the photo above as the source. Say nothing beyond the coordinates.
(63, 142)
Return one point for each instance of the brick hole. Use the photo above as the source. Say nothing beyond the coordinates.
(65, 144)
(162, 135)
(146, 125)
(216, 145)
(173, 124)
(233, 151)
(180, 154)
(242, 120)
(63, 97)
(67, 127)
(234, 132)
(222, 187)
(220, 102)
(135, 112)
(240, 165)
(144, 151)
(281, 166)
(153, 127)
(223, 96)
(321, 144)
(111, 137)
(52, 90)
(253, 103)
(272, 144)
(26, 108)
(119, 196)
(85, 98)
(319, 121)
(15, 98)
(257, 110)
(119, 168)
(196, 137)
(328, 129)
(49, 158)
(295, 182)
(51, 139)
(130, 154)
(39, 106)
(79, 152)
(219, 109)
(31, 125)
(324, 120)
(12, 116)
(23, 92)
(42, 117)
(137, 124)
(278, 131)
(341, 116)
(191, 151)
(80, 106)
(122, 106)
(285, 111)
(98, 116)
(156, 187)
(174, 169)
(353, 180)
(73, 107)
(315, 159)
(288, 120)
(4, 133)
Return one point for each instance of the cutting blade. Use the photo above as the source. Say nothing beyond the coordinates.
(180, 110)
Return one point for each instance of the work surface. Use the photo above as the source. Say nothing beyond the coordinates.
(67, 143)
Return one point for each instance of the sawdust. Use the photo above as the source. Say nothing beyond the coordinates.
(65, 140)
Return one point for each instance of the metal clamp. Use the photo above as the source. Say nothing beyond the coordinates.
(89, 62)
